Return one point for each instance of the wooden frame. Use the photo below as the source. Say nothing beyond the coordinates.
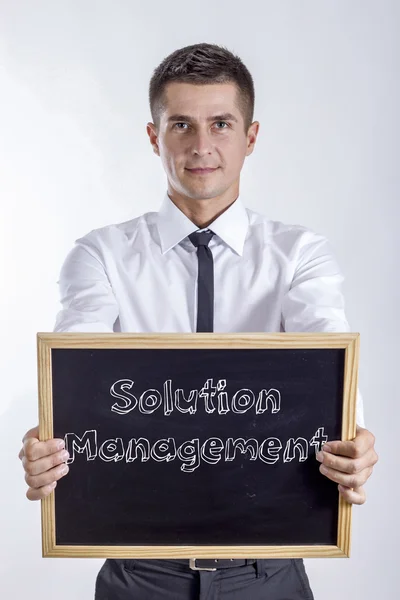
(47, 341)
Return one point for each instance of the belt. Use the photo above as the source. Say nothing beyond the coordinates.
(212, 564)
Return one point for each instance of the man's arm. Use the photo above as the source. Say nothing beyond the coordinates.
(88, 305)
(87, 299)
(315, 303)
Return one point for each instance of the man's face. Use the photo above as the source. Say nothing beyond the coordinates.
(202, 128)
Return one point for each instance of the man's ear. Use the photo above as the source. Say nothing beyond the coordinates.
(153, 135)
(252, 137)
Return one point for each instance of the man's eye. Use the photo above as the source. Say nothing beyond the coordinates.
(181, 123)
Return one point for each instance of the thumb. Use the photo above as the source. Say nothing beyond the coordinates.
(32, 433)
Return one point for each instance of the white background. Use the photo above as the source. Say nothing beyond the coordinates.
(75, 155)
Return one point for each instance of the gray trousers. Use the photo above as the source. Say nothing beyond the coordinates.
(165, 579)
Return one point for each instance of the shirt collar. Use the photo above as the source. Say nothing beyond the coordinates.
(231, 226)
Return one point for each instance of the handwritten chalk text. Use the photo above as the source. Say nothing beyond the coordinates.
(212, 397)
(192, 452)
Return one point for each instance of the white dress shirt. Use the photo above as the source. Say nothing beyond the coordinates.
(141, 276)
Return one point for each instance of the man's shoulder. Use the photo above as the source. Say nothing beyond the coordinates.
(118, 232)
(280, 231)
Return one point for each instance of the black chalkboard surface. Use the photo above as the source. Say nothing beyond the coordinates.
(194, 445)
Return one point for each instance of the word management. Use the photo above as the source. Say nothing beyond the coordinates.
(210, 398)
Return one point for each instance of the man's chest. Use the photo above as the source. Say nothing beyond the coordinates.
(158, 292)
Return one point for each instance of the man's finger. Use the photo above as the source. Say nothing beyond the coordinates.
(32, 433)
(345, 464)
(39, 493)
(352, 481)
(33, 449)
(355, 448)
(353, 496)
(339, 448)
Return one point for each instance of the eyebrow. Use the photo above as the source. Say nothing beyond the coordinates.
(223, 117)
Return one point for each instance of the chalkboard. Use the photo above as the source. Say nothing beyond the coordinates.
(195, 445)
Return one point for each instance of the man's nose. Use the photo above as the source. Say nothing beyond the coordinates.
(201, 143)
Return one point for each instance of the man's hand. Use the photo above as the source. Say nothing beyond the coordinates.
(350, 464)
(43, 463)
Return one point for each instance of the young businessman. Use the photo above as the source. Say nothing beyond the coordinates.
(204, 262)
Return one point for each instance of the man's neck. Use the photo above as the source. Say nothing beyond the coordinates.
(202, 212)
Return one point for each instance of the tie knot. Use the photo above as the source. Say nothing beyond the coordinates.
(201, 238)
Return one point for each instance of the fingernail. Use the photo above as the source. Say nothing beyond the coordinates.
(65, 455)
(319, 456)
(64, 470)
(327, 448)
(60, 445)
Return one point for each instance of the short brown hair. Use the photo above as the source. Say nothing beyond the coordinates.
(201, 64)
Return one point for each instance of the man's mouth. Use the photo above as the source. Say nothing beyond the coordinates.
(202, 171)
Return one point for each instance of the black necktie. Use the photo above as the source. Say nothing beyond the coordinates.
(205, 280)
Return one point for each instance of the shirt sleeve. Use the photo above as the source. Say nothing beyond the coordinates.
(314, 302)
(87, 299)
